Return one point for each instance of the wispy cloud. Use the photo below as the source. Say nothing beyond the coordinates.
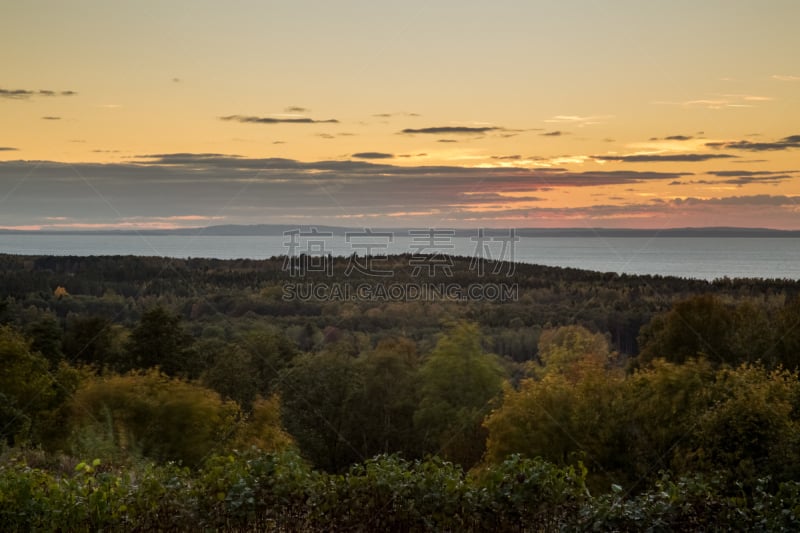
(770, 211)
(390, 115)
(8, 149)
(556, 133)
(51, 118)
(722, 101)
(24, 94)
(578, 120)
(661, 158)
(787, 143)
(785, 77)
(740, 178)
(277, 120)
(451, 130)
(372, 155)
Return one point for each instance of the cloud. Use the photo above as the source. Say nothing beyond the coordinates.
(678, 138)
(740, 181)
(262, 190)
(784, 77)
(506, 157)
(765, 200)
(660, 158)
(401, 114)
(768, 211)
(447, 141)
(451, 130)
(579, 121)
(763, 180)
(720, 101)
(277, 120)
(176, 80)
(24, 94)
(296, 109)
(553, 133)
(51, 118)
(748, 173)
(8, 149)
(793, 141)
(372, 155)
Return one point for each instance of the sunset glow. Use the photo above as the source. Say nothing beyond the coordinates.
(460, 114)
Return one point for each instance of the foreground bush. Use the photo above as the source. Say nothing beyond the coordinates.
(255, 491)
(151, 415)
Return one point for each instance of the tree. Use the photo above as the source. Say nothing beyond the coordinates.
(701, 325)
(318, 395)
(458, 382)
(751, 427)
(386, 401)
(159, 340)
(563, 349)
(787, 335)
(231, 373)
(91, 340)
(263, 427)
(564, 419)
(26, 387)
(270, 352)
(152, 414)
(45, 335)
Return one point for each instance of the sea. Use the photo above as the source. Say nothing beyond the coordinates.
(686, 257)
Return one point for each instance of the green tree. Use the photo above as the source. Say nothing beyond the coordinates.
(700, 325)
(26, 387)
(458, 382)
(150, 413)
(786, 330)
(46, 335)
(318, 402)
(91, 340)
(231, 373)
(565, 419)
(160, 340)
(386, 402)
(750, 427)
(270, 352)
(663, 403)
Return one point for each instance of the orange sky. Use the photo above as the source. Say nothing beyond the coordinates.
(526, 114)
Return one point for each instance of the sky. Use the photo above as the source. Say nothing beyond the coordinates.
(432, 113)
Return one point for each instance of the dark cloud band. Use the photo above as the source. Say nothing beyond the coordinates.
(276, 120)
(451, 130)
(24, 94)
(684, 158)
(793, 141)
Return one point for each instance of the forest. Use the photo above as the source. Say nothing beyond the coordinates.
(141, 393)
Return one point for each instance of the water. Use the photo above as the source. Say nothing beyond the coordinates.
(696, 257)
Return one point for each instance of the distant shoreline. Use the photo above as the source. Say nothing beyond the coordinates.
(265, 230)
